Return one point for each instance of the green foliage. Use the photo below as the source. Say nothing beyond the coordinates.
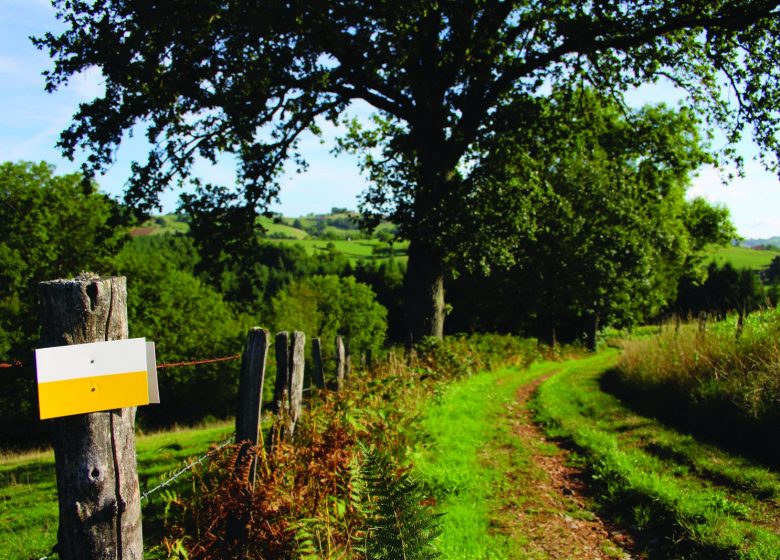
(606, 228)
(324, 306)
(398, 525)
(51, 226)
(187, 320)
(724, 289)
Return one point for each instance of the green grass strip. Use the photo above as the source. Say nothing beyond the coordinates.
(28, 488)
(651, 477)
(463, 459)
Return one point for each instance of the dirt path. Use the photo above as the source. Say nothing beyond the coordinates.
(547, 513)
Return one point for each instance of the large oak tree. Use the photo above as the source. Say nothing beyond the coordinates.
(248, 78)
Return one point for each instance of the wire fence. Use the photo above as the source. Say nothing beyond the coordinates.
(18, 364)
(190, 466)
(199, 460)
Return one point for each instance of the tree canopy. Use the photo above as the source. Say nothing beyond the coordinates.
(51, 226)
(608, 233)
(249, 78)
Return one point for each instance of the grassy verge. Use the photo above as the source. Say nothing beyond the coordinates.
(683, 498)
(710, 380)
(468, 448)
(28, 488)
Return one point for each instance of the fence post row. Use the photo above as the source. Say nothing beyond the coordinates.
(97, 481)
(250, 392)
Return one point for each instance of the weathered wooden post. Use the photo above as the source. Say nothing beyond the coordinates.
(369, 359)
(340, 354)
(318, 375)
(97, 481)
(347, 360)
(282, 385)
(250, 391)
(297, 345)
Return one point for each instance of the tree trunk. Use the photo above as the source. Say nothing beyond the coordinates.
(424, 293)
(97, 482)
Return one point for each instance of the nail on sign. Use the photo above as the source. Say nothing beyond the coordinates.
(83, 378)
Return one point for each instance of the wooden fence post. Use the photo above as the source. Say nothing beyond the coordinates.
(369, 359)
(297, 345)
(318, 375)
(250, 391)
(282, 385)
(97, 481)
(347, 360)
(339, 363)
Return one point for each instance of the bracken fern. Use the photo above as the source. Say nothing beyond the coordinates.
(399, 525)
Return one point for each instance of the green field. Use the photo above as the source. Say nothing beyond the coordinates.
(357, 250)
(741, 257)
(349, 242)
(28, 492)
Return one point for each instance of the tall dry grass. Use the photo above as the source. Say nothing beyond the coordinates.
(710, 376)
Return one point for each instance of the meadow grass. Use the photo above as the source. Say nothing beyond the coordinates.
(467, 448)
(28, 491)
(355, 250)
(741, 257)
(710, 379)
(683, 498)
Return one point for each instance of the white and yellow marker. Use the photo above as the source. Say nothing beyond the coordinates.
(96, 376)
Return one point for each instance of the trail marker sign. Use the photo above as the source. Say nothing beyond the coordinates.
(96, 376)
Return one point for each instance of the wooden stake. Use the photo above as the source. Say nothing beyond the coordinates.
(250, 391)
(97, 481)
(296, 379)
(318, 375)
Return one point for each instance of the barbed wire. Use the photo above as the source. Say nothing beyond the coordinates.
(199, 362)
(18, 364)
(198, 461)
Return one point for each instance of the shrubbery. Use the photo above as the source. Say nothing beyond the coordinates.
(322, 496)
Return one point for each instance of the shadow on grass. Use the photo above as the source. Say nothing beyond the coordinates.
(716, 421)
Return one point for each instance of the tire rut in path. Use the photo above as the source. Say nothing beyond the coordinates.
(547, 511)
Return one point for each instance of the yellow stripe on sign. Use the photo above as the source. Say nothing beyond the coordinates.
(89, 394)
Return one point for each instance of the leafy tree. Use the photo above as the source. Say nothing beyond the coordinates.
(325, 306)
(724, 290)
(50, 227)
(187, 320)
(248, 78)
(608, 232)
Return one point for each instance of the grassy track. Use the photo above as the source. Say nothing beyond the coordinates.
(684, 498)
(465, 432)
(28, 493)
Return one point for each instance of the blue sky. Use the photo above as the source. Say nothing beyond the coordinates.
(31, 119)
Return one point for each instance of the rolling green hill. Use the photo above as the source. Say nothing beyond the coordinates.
(742, 257)
(315, 233)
